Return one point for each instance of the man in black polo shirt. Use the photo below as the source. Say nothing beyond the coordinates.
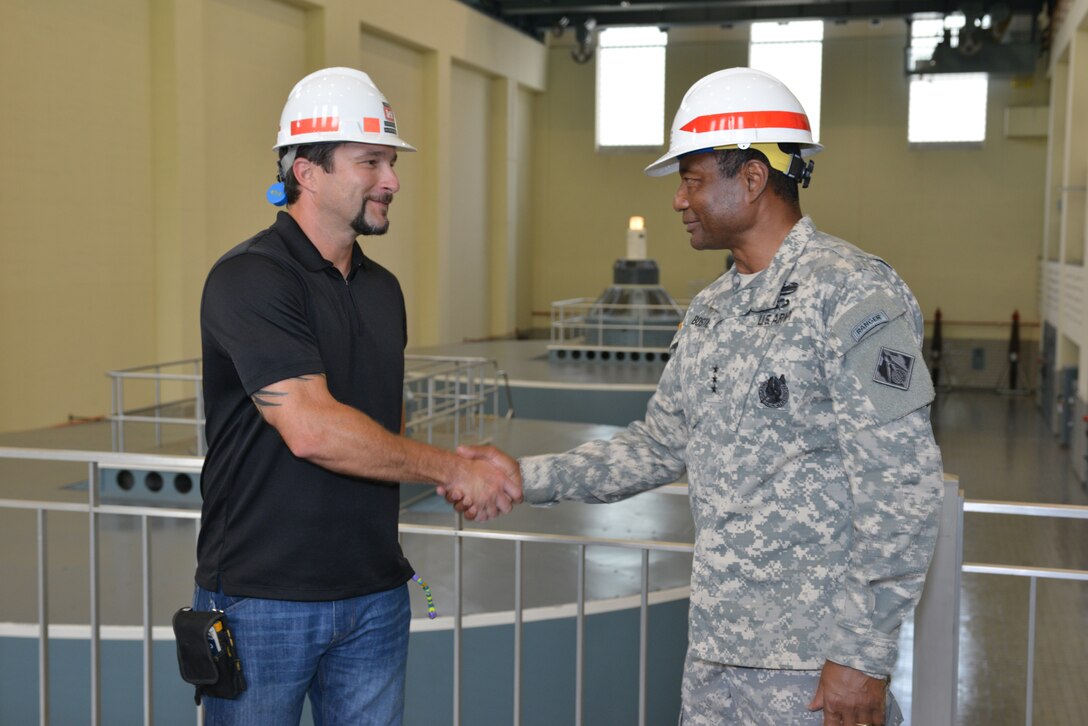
(303, 339)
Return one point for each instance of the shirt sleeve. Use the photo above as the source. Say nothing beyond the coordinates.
(645, 455)
(255, 312)
(881, 393)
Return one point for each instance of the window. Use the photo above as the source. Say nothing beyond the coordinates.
(631, 87)
(944, 107)
(793, 53)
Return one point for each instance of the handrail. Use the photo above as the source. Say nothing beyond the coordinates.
(438, 389)
(98, 459)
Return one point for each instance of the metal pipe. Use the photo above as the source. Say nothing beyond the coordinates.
(43, 624)
(1065, 511)
(158, 405)
(580, 635)
(92, 492)
(145, 548)
(518, 614)
(643, 637)
(114, 412)
(121, 417)
(457, 615)
(198, 395)
(1031, 652)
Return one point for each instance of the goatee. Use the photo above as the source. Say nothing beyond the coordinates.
(360, 223)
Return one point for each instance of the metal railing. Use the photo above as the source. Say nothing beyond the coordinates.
(446, 394)
(595, 329)
(931, 610)
(453, 395)
(95, 461)
(183, 372)
(1034, 574)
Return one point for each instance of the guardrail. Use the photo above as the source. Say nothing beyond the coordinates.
(441, 393)
(936, 617)
(1034, 574)
(98, 460)
(586, 328)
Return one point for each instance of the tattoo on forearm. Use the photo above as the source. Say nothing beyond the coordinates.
(264, 398)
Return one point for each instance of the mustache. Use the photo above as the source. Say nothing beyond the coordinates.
(386, 198)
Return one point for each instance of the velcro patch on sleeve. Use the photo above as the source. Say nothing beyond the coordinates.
(869, 324)
(864, 319)
(894, 368)
(889, 369)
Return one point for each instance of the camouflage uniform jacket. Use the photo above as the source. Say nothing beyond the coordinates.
(799, 406)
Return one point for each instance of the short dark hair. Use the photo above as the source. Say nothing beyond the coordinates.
(320, 154)
(730, 162)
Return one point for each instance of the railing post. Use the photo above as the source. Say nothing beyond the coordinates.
(92, 495)
(1029, 707)
(457, 613)
(43, 624)
(145, 542)
(643, 636)
(937, 620)
(115, 441)
(580, 637)
(518, 593)
(158, 406)
(198, 398)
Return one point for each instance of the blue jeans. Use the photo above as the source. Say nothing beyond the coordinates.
(349, 655)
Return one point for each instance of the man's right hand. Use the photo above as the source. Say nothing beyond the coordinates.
(489, 484)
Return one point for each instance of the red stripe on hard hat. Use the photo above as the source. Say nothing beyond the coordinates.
(371, 125)
(314, 125)
(747, 120)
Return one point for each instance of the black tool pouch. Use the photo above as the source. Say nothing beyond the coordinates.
(206, 655)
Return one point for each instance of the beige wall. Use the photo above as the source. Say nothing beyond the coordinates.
(1065, 279)
(141, 143)
(961, 225)
(141, 132)
(77, 249)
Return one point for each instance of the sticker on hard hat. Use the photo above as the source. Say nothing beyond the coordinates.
(390, 120)
(371, 125)
(747, 120)
(315, 125)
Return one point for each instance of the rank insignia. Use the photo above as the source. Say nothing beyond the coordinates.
(773, 392)
(894, 369)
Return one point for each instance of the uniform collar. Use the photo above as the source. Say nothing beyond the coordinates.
(302, 249)
(766, 287)
(762, 293)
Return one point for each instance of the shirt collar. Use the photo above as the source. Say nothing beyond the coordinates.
(302, 249)
(766, 287)
(730, 299)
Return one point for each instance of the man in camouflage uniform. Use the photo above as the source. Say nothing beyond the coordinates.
(796, 398)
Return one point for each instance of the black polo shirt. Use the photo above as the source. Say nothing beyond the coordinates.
(273, 525)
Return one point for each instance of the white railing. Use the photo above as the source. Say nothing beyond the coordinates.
(937, 615)
(583, 325)
(451, 395)
(1034, 574)
(96, 461)
(153, 409)
(442, 394)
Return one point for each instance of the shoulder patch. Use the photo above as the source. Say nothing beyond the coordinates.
(868, 324)
(894, 368)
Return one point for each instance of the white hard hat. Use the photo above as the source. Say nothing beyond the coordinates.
(338, 104)
(736, 107)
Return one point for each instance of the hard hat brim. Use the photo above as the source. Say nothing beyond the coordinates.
(670, 162)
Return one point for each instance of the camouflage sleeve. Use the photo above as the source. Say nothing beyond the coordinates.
(647, 454)
(881, 392)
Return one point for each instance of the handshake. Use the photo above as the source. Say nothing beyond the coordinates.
(484, 483)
